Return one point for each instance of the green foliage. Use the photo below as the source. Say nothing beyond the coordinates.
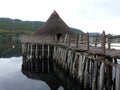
(19, 25)
(8, 25)
(77, 31)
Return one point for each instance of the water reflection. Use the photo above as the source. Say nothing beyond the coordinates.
(42, 70)
(11, 77)
(10, 49)
(52, 74)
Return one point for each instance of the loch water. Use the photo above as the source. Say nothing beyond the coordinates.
(14, 76)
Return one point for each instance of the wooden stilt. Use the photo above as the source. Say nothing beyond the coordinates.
(109, 75)
(87, 43)
(69, 41)
(73, 66)
(117, 79)
(86, 73)
(23, 48)
(101, 76)
(31, 49)
(109, 41)
(42, 66)
(48, 56)
(36, 66)
(77, 41)
(36, 51)
(31, 65)
(94, 83)
(81, 68)
(48, 66)
(103, 41)
(43, 51)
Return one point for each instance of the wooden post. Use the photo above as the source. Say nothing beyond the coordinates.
(36, 51)
(109, 74)
(28, 65)
(48, 65)
(31, 64)
(87, 41)
(94, 69)
(117, 79)
(77, 41)
(65, 38)
(28, 50)
(103, 41)
(31, 51)
(109, 41)
(69, 41)
(42, 66)
(48, 56)
(101, 76)
(23, 48)
(80, 38)
(36, 66)
(42, 50)
(96, 41)
(86, 73)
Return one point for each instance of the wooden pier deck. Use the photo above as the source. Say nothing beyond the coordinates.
(94, 65)
(97, 50)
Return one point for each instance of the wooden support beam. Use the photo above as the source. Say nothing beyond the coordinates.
(87, 41)
(109, 41)
(36, 51)
(48, 56)
(108, 74)
(103, 41)
(77, 41)
(43, 66)
(31, 50)
(42, 50)
(36, 65)
(69, 41)
(94, 70)
(102, 76)
(117, 79)
(96, 39)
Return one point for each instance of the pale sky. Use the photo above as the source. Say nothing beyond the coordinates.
(87, 15)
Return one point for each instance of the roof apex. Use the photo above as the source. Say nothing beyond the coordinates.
(54, 12)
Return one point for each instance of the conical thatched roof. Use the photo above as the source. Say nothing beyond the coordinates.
(53, 26)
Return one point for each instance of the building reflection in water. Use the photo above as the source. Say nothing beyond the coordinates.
(49, 72)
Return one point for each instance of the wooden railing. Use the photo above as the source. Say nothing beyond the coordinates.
(102, 41)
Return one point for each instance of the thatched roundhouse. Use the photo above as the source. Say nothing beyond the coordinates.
(54, 26)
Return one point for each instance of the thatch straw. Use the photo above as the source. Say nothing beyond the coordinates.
(53, 26)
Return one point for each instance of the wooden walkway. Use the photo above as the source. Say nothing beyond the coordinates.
(75, 43)
(96, 50)
(93, 64)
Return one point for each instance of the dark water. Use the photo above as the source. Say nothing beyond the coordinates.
(14, 77)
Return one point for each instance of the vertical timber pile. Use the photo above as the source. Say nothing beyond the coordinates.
(33, 52)
(103, 41)
(92, 71)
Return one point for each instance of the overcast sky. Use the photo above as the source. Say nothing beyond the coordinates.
(87, 15)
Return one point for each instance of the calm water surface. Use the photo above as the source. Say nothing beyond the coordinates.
(14, 77)
(11, 77)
